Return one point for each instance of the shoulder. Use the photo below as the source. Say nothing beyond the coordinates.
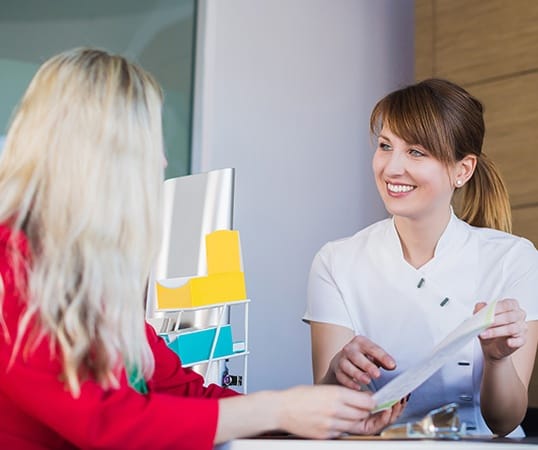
(497, 240)
(498, 247)
(353, 246)
(361, 238)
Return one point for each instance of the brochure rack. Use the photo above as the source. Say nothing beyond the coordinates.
(213, 343)
(218, 292)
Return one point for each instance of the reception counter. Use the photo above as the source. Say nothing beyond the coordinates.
(378, 444)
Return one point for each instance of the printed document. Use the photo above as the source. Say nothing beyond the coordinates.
(409, 380)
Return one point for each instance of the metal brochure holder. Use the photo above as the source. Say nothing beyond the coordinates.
(194, 206)
(213, 360)
(440, 423)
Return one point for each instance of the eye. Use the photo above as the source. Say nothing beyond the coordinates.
(416, 153)
(384, 146)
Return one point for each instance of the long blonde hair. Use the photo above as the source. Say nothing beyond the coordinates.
(81, 174)
(448, 121)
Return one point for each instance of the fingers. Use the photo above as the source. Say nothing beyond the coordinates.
(376, 422)
(507, 333)
(340, 411)
(510, 330)
(354, 417)
(352, 413)
(375, 353)
(359, 370)
(509, 321)
(349, 375)
(398, 408)
(506, 304)
(322, 411)
(373, 424)
(516, 342)
(356, 399)
(339, 427)
(359, 362)
(508, 310)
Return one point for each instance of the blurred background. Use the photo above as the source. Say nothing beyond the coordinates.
(160, 34)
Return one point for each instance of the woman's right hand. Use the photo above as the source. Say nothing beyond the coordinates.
(358, 363)
(316, 412)
(328, 411)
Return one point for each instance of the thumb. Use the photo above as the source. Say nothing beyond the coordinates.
(478, 306)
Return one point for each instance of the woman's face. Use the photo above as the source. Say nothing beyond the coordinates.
(411, 182)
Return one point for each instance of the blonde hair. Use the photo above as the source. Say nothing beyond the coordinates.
(81, 174)
(445, 119)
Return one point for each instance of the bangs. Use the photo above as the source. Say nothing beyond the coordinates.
(416, 117)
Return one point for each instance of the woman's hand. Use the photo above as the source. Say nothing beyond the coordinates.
(376, 422)
(358, 362)
(509, 348)
(316, 412)
(325, 412)
(507, 333)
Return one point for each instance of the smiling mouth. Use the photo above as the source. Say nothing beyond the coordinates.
(399, 188)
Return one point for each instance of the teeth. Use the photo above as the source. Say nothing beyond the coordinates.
(399, 187)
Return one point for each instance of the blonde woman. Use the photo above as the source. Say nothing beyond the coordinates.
(80, 182)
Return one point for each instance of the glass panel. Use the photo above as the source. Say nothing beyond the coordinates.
(159, 34)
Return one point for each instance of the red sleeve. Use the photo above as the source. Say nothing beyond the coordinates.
(119, 418)
(172, 378)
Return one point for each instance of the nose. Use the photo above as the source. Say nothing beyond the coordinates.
(395, 163)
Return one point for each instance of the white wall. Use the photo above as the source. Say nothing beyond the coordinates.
(284, 92)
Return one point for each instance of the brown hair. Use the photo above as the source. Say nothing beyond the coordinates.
(448, 121)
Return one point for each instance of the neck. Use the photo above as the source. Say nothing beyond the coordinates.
(419, 237)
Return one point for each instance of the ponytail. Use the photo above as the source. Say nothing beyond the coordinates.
(484, 201)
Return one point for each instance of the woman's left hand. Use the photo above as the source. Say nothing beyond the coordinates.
(508, 331)
(375, 423)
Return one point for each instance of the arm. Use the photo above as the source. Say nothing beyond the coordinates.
(31, 388)
(179, 410)
(327, 340)
(114, 418)
(509, 348)
(319, 412)
(123, 418)
(172, 378)
(340, 357)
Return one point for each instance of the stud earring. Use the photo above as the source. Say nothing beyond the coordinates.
(458, 183)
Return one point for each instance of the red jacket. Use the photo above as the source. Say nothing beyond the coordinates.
(37, 411)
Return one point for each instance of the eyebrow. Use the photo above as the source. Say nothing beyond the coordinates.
(418, 146)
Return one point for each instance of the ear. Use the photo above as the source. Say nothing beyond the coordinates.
(463, 170)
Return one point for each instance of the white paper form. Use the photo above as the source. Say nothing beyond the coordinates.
(406, 382)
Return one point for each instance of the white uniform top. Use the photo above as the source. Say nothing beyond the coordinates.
(364, 283)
